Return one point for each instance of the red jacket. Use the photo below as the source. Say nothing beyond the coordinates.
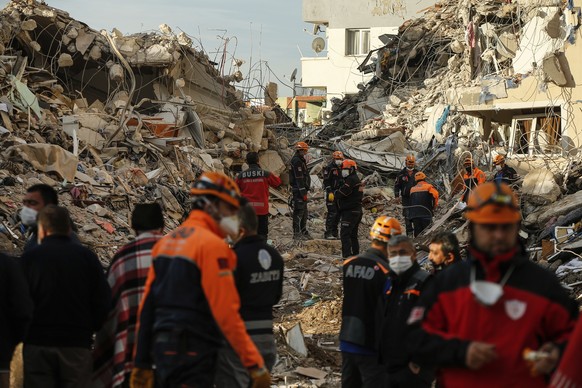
(569, 373)
(533, 310)
(254, 186)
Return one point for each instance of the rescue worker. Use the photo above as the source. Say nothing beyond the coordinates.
(254, 185)
(332, 180)
(504, 173)
(259, 281)
(190, 300)
(406, 282)
(569, 373)
(424, 199)
(300, 183)
(349, 198)
(472, 177)
(363, 281)
(444, 250)
(479, 316)
(402, 185)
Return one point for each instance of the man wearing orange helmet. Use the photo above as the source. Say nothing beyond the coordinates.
(472, 177)
(332, 180)
(504, 173)
(363, 280)
(480, 316)
(424, 199)
(402, 185)
(190, 300)
(300, 183)
(349, 199)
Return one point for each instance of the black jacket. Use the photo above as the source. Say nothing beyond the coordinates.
(70, 293)
(403, 183)
(332, 177)
(259, 281)
(507, 175)
(349, 195)
(400, 295)
(299, 175)
(363, 280)
(15, 308)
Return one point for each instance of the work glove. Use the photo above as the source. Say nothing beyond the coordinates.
(305, 198)
(141, 378)
(330, 197)
(260, 378)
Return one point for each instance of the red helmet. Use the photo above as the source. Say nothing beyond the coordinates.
(218, 185)
(338, 155)
(498, 160)
(493, 203)
(385, 227)
(301, 145)
(349, 163)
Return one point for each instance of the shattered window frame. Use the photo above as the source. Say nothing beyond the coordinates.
(538, 141)
(357, 42)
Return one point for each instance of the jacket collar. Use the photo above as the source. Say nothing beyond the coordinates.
(377, 252)
(249, 240)
(406, 275)
(494, 266)
(203, 219)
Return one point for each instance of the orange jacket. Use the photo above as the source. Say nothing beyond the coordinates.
(190, 287)
(424, 198)
(476, 178)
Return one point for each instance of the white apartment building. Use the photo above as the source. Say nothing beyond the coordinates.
(350, 29)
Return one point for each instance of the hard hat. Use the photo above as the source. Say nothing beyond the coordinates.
(337, 155)
(410, 160)
(419, 176)
(493, 203)
(301, 146)
(385, 227)
(218, 185)
(499, 159)
(348, 163)
(468, 161)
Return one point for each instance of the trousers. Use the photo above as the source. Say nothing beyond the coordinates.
(52, 367)
(350, 220)
(332, 219)
(299, 215)
(362, 372)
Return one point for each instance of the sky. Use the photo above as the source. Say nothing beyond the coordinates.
(261, 32)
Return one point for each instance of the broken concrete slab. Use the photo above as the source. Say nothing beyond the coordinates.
(540, 187)
(564, 206)
(296, 341)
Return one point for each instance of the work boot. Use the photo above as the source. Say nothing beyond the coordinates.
(328, 236)
(307, 236)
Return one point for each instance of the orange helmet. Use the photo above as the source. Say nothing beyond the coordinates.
(419, 176)
(499, 159)
(468, 161)
(218, 185)
(493, 203)
(348, 163)
(385, 227)
(337, 155)
(301, 145)
(410, 160)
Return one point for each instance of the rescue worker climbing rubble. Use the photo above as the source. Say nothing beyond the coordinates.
(472, 178)
(424, 199)
(332, 180)
(190, 300)
(300, 183)
(363, 280)
(402, 185)
(349, 198)
(504, 173)
(477, 318)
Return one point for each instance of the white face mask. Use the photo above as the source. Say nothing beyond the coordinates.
(488, 293)
(409, 168)
(498, 167)
(400, 264)
(230, 226)
(345, 173)
(338, 162)
(28, 216)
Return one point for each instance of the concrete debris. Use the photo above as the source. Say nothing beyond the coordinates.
(540, 187)
(295, 340)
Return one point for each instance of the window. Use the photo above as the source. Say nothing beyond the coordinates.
(535, 135)
(357, 42)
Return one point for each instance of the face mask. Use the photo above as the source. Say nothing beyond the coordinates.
(28, 216)
(400, 264)
(409, 168)
(230, 226)
(488, 293)
(338, 162)
(469, 169)
(498, 168)
(345, 173)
